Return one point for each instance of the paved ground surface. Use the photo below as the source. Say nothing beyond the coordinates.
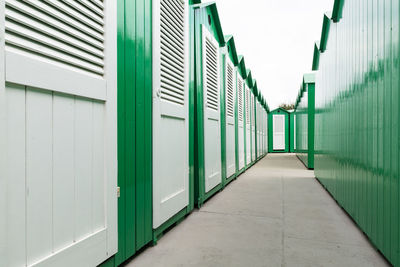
(276, 214)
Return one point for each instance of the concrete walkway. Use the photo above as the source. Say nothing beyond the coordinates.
(276, 214)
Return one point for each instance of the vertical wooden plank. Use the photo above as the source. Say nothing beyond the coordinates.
(15, 215)
(98, 185)
(39, 153)
(110, 118)
(83, 167)
(3, 144)
(63, 171)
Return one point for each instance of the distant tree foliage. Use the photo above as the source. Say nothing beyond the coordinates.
(287, 106)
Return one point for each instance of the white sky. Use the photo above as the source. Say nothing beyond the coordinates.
(276, 38)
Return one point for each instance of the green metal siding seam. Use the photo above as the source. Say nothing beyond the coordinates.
(198, 97)
(223, 60)
(311, 124)
(291, 129)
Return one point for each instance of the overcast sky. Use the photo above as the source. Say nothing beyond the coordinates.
(276, 39)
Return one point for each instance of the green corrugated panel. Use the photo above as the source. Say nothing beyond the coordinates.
(357, 119)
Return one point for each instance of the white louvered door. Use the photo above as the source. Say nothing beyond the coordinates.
(260, 130)
(253, 132)
(240, 104)
(211, 106)
(230, 92)
(170, 109)
(294, 132)
(58, 120)
(248, 126)
(278, 132)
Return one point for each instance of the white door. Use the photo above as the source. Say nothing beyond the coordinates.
(211, 94)
(230, 118)
(58, 121)
(253, 128)
(170, 109)
(278, 132)
(240, 120)
(248, 126)
(294, 132)
(266, 132)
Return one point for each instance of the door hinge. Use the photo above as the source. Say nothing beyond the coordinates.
(118, 191)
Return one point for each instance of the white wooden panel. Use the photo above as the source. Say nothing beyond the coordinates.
(172, 170)
(41, 74)
(15, 234)
(98, 196)
(3, 147)
(63, 171)
(230, 150)
(170, 109)
(278, 132)
(241, 147)
(39, 174)
(90, 251)
(83, 167)
(212, 157)
(110, 119)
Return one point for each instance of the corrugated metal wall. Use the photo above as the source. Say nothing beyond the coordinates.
(357, 121)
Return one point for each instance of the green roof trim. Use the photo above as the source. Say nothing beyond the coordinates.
(255, 88)
(212, 6)
(315, 63)
(307, 79)
(249, 78)
(242, 67)
(230, 42)
(326, 25)
(193, 2)
(337, 12)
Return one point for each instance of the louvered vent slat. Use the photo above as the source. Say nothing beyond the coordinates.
(229, 86)
(240, 98)
(172, 38)
(211, 75)
(68, 32)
